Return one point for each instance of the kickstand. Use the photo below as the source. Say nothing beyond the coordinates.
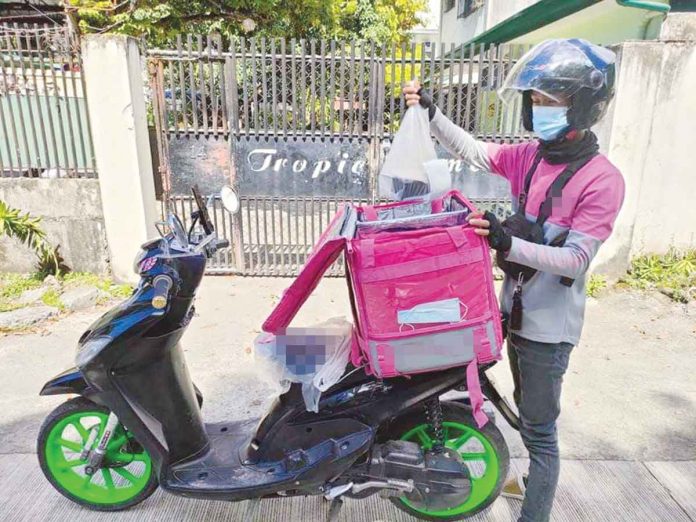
(251, 509)
(334, 509)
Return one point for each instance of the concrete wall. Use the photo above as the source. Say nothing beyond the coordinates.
(459, 30)
(106, 219)
(650, 135)
(114, 74)
(500, 10)
(605, 22)
(679, 27)
(625, 125)
(71, 213)
(666, 211)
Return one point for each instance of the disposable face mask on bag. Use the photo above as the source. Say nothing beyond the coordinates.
(549, 122)
(403, 173)
(445, 311)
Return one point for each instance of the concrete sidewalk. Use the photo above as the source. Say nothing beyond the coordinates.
(592, 491)
(628, 427)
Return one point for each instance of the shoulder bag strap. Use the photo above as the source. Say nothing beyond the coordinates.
(522, 198)
(556, 188)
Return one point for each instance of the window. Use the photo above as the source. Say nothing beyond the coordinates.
(449, 5)
(466, 7)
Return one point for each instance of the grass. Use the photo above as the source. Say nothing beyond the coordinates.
(52, 298)
(104, 284)
(8, 307)
(13, 285)
(673, 274)
(595, 285)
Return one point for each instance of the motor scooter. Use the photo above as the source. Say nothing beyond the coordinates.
(136, 423)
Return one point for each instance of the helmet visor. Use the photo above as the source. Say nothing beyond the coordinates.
(558, 69)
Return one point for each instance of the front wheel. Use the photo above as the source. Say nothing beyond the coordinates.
(482, 449)
(126, 476)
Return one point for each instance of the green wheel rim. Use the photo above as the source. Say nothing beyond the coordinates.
(458, 437)
(124, 474)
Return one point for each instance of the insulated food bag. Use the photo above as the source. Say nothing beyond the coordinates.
(423, 288)
(421, 285)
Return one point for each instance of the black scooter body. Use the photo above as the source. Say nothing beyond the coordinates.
(131, 362)
(145, 382)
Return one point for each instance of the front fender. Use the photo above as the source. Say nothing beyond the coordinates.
(72, 382)
(69, 382)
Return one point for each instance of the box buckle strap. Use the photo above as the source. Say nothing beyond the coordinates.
(481, 345)
(437, 205)
(473, 385)
(370, 213)
(368, 253)
(457, 236)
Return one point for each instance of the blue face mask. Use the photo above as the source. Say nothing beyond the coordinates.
(445, 311)
(549, 122)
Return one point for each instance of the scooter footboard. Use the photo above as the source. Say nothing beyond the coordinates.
(221, 473)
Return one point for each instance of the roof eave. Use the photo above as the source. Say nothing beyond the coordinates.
(530, 19)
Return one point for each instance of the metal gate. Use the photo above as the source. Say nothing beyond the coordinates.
(44, 123)
(300, 126)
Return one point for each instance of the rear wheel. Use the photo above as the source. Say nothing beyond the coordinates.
(126, 476)
(482, 449)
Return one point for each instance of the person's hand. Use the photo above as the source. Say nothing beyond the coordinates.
(415, 95)
(411, 93)
(487, 225)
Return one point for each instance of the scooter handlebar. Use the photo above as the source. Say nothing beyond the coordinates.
(161, 284)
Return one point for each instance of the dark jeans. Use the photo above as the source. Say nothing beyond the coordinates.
(537, 370)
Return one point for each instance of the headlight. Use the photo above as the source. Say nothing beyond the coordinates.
(90, 349)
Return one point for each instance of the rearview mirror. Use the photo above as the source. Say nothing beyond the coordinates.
(230, 200)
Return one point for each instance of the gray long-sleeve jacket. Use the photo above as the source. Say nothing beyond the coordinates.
(587, 209)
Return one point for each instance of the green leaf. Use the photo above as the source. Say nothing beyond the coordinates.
(381, 21)
(27, 230)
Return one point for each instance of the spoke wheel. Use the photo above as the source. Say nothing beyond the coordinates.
(484, 452)
(126, 476)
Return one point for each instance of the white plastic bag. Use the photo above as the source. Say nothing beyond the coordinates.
(439, 177)
(314, 356)
(403, 173)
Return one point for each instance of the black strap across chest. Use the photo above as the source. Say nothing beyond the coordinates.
(554, 190)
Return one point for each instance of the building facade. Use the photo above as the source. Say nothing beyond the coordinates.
(532, 21)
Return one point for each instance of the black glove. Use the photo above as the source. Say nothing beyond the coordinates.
(498, 238)
(426, 101)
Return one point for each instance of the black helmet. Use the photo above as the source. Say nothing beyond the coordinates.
(573, 68)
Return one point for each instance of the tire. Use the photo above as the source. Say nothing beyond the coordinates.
(456, 416)
(131, 476)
